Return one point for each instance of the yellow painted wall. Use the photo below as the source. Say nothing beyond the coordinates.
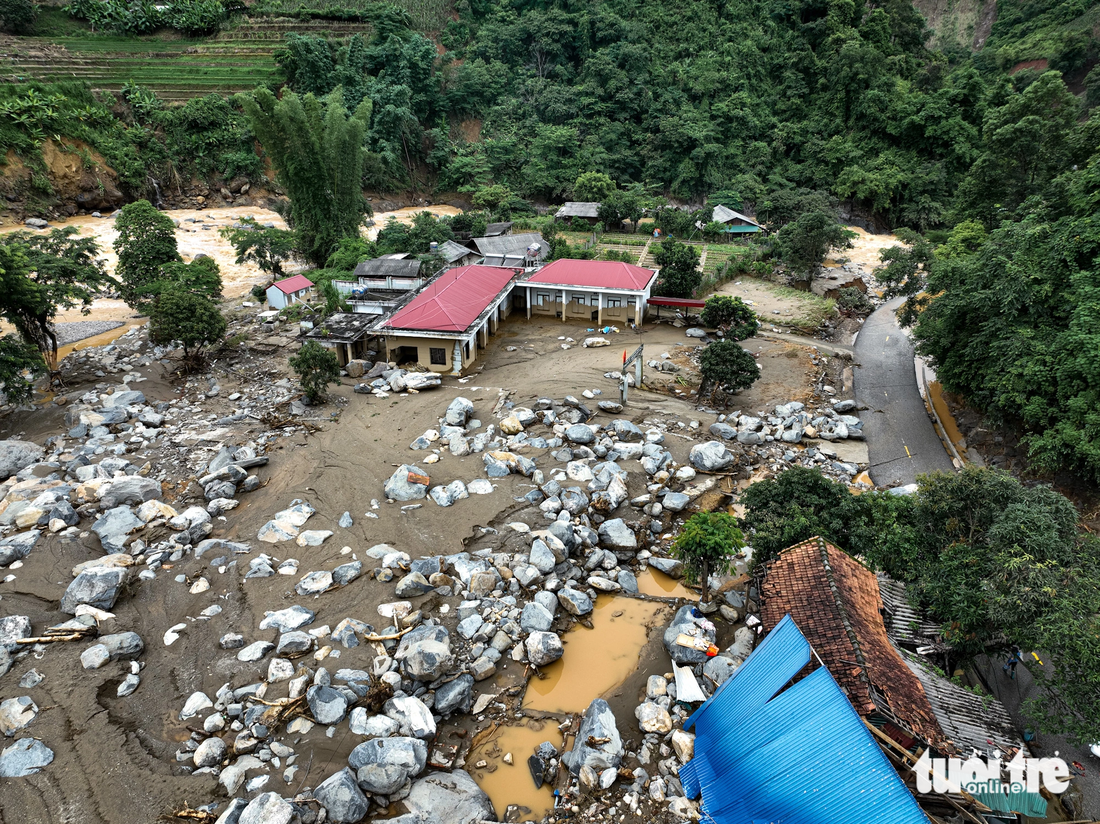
(424, 357)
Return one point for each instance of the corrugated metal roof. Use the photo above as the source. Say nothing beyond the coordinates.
(293, 284)
(454, 300)
(498, 229)
(594, 274)
(451, 251)
(723, 214)
(904, 623)
(388, 267)
(968, 720)
(801, 757)
(579, 208)
(510, 244)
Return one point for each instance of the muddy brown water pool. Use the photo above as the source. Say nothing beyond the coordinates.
(656, 583)
(596, 662)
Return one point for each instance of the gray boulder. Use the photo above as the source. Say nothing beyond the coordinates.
(675, 501)
(683, 622)
(269, 808)
(711, 456)
(16, 455)
(719, 668)
(114, 526)
(669, 566)
(454, 798)
(615, 534)
(724, 431)
(410, 754)
(412, 717)
(133, 489)
(17, 547)
(412, 585)
(96, 586)
(289, 619)
(16, 714)
(425, 653)
(342, 799)
(408, 483)
(25, 757)
(543, 648)
(454, 696)
(329, 706)
(574, 601)
(122, 645)
(459, 411)
(580, 433)
(535, 618)
(598, 724)
(12, 628)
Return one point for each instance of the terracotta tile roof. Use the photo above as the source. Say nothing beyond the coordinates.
(836, 603)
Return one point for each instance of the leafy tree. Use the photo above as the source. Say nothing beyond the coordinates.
(804, 243)
(316, 368)
(20, 365)
(202, 276)
(350, 252)
(725, 366)
(679, 276)
(624, 204)
(265, 246)
(42, 274)
(146, 241)
(259, 293)
(491, 197)
(593, 187)
(194, 321)
(317, 149)
(17, 16)
(708, 545)
(731, 314)
(801, 503)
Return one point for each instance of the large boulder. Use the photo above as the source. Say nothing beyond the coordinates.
(114, 527)
(425, 653)
(454, 696)
(543, 648)
(25, 757)
(458, 412)
(328, 705)
(269, 808)
(97, 587)
(17, 455)
(684, 623)
(412, 717)
(711, 456)
(598, 726)
(342, 799)
(615, 534)
(574, 601)
(408, 483)
(409, 755)
(133, 489)
(17, 547)
(454, 798)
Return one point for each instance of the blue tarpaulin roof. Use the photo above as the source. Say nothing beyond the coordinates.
(800, 756)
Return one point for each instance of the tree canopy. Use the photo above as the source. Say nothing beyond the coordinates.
(707, 545)
(146, 241)
(319, 153)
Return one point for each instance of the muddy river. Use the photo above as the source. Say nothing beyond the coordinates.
(198, 232)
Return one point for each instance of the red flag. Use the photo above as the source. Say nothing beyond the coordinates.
(624, 357)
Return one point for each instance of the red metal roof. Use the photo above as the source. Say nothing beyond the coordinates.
(292, 285)
(690, 303)
(453, 301)
(594, 274)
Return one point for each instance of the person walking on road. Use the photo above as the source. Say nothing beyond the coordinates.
(1010, 665)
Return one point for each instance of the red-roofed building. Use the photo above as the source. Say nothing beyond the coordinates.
(600, 291)
(282, 293)
(450, 319)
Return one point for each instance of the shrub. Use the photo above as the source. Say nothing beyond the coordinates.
(732, 314)
(146, 242)
(194, 321)
(726, 366)
(316, 368)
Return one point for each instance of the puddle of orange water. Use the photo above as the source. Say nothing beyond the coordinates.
(101, 339)
(935, 392)
(656, 583)
(512, 783)
(596, 660)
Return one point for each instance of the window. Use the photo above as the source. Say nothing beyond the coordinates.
(579, 299)
(542, 298)
(614, 303)
(438, 356)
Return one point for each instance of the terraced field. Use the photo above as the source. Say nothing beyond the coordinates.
(235, 60)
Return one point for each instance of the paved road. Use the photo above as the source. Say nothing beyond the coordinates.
(901, 440)
(1013, 693)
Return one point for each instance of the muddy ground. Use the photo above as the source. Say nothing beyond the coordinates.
(116, 757)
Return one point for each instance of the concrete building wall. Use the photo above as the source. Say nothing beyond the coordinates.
(423, 348)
